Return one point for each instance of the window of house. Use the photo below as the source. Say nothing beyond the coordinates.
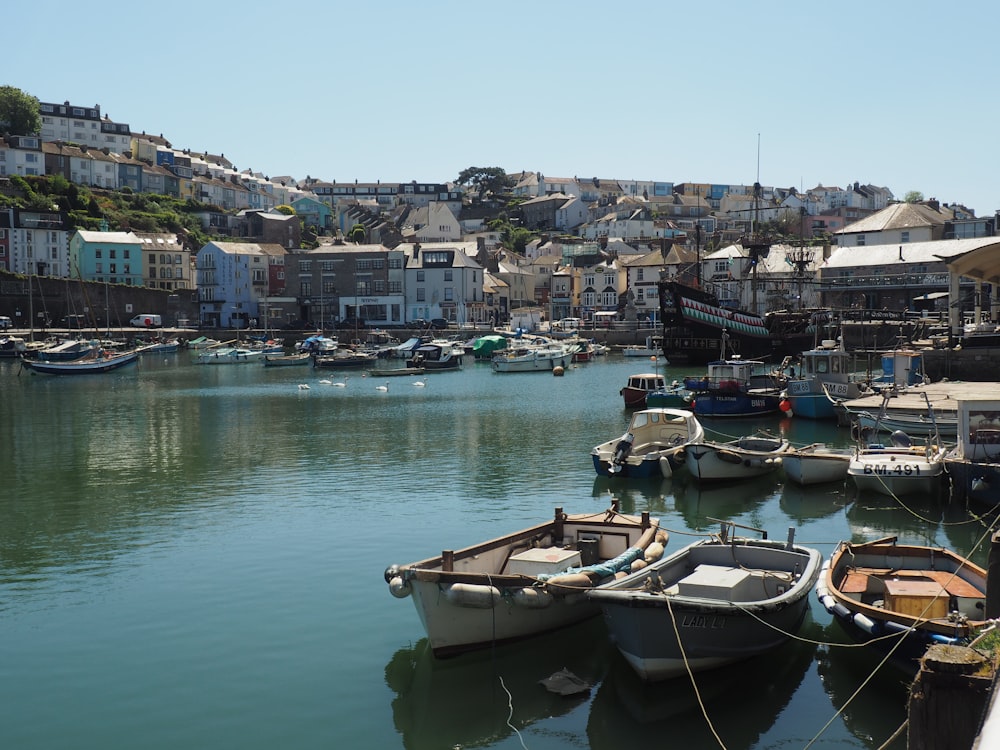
(904, 236)
(420, 275)
(860, 240)
(449, 294)
(420, 294)
(448, 275)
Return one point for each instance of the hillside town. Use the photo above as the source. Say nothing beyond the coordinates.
(305, 252)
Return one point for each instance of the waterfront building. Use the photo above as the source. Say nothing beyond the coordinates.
(34, 242)
(235, 279)
(110, 257)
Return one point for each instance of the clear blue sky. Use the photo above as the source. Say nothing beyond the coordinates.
(894, 94)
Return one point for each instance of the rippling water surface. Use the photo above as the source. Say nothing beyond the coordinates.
(192, 556)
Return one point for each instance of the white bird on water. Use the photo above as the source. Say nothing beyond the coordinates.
(325, 382)
(340, 384)
(303, 387)
(419, 383)
(382, 387)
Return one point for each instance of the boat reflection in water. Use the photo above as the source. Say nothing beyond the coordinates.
(700, 504)
(743, 702)
(635, 495)
(809, 503)
(467, 701)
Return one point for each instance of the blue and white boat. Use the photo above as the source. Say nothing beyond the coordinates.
(824, 378)
(736, 387)
(653, 445)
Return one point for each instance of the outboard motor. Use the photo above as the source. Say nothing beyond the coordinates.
(624, 448)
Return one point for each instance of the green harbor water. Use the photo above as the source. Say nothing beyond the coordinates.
(192, 556)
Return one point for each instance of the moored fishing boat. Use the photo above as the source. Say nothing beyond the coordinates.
(523, 583)
(922, 594)
(638, 387)
(817, 463)
(712, 603)
(542, 357)
(298, 359)
(746, 457)
(824, 378)
(652, 446)
(94, 362)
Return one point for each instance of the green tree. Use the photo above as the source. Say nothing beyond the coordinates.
(20, 113)
(357, 234)
(287, 210)
(913, 196)
(484, 180)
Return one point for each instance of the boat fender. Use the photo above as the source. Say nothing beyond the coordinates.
(945, 639)
(532, 598)
(653, 552)
(828, 602)
(399, 587)
(391, 572)
(729, 457)
(894, 627)
(661, 537)
(839, 610)
(822, 592)
(665, 469)
(569, 583)
(865, 623)
(472, 595)
(637, 565)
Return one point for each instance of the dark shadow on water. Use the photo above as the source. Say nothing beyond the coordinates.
(464, 701)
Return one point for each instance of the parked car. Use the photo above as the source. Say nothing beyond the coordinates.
(439, 324)
(5, 323)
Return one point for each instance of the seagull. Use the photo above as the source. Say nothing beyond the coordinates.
(303, 387)
(382, 387)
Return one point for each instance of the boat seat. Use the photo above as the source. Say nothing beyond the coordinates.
(857, 579)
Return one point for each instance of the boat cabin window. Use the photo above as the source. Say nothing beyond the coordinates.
(822, 366)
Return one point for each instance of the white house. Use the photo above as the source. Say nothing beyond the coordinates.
(443, 280)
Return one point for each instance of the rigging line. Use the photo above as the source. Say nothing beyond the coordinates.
(895, 735)
(510, 715)
(694, 684)
(810, 641)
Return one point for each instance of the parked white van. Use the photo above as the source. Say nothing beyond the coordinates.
(147, 320)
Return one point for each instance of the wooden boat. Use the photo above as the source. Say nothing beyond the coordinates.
(523, 583)
(715, 602)
(653, 445)
(396, 372)
(288, 360)
(924, 594)
(95, 362)
(817, 463)
(746, 457)
(170, 346)
(66, 350)
(639, 386)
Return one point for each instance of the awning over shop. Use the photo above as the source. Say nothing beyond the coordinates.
(930, 296)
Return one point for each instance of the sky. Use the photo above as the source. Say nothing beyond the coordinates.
(889, 93)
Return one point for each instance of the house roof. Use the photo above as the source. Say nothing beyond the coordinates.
(907, 252)
(900, 216)
(108, 238)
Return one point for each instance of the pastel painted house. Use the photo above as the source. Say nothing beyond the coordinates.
(112, 257)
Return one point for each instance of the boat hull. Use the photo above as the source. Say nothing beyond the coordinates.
(536, 362)
(82, 367)
(816, 464)
(895, 472)
(734, 461)
(524, 584)
(712, 404)
(695, 610)
(653, 446)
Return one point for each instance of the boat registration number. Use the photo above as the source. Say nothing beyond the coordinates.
(896, 470)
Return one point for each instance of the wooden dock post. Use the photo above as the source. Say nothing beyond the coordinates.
(947, 698)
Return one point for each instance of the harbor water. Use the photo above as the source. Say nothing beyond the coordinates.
(193, 556)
